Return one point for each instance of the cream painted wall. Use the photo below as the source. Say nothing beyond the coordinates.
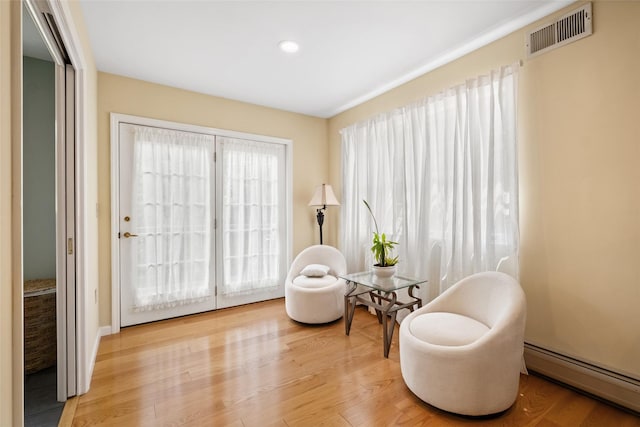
(11, 309)
(579, 147)
(6, 233)
(119, 94)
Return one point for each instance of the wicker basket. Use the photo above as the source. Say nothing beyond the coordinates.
(39, 324)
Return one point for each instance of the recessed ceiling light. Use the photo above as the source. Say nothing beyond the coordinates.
(288, 46)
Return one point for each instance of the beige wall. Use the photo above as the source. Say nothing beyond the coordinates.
(10, 324)
(128, 96)
(579, 147)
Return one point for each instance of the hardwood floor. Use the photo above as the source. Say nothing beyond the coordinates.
(253, 366)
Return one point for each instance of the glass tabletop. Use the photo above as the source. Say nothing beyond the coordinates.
(384, 284)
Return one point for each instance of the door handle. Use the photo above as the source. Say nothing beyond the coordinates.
(127, 235)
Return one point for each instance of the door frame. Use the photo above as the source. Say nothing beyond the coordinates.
(116, 119)
(65, 204)
(11, 16)
(84, 354)
(87, 336)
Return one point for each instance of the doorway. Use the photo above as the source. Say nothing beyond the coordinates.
(48, 167)
(200, 218)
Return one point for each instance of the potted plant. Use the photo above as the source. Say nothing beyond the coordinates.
(385, 265)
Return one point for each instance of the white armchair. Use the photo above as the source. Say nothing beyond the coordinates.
(318, 299)
(462, 352)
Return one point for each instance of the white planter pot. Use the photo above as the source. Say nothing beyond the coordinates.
(384, 271)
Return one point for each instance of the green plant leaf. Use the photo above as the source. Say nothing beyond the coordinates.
(381, 246)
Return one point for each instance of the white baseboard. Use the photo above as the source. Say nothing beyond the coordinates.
(612, 386)
(102, 331)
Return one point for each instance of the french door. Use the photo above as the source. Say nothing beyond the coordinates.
(166, 221)
(201, 220)
(253, 225)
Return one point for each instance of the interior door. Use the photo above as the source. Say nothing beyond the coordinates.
(66, 231)
(166, 221)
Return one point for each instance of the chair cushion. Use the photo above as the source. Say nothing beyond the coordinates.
(314, 282)
(447, 329)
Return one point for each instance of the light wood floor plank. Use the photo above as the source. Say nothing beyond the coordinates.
(253, 366)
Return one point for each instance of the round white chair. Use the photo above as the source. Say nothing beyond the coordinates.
(316, 298)
(462, 352)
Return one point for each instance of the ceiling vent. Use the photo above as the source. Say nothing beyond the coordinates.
(569, 28)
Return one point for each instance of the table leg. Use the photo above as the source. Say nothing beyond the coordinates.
(373, 296)
(388, 328)
(349, 306)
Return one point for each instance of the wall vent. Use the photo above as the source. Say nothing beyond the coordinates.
(569, 28)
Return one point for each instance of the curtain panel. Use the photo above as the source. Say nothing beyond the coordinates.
(252, 203)
(441, 177)
(172, 206)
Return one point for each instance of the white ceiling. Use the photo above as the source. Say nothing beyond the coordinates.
(350, 51)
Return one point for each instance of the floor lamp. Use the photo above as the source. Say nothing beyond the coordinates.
(323, 197)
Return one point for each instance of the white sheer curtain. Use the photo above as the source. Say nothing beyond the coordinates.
(252, 203)
(172, 208)
(441, 176)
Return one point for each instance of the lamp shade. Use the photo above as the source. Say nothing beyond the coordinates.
(324, 196)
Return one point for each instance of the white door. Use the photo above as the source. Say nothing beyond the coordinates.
(201, 220)
(166, 216)
(252, 205)
(65, 230)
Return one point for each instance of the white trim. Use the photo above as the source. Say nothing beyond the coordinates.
(61, 238)
(84, 360)
(72, 41)
(73, 215)
(94, 351)
(456, 53)
(289, 202)
(115, 120)
(102, 331)
(166, 124)
(73, 45)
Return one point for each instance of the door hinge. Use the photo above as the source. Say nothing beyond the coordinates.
(215, 224)
(70, 246)
(214, 156)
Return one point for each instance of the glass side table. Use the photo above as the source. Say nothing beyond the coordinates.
(382, 297)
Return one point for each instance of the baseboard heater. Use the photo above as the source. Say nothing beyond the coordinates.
(617, 388)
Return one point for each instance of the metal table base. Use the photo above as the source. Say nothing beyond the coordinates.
(386, 305)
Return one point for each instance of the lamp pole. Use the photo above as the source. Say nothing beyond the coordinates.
(323, 196)
(320, 218)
